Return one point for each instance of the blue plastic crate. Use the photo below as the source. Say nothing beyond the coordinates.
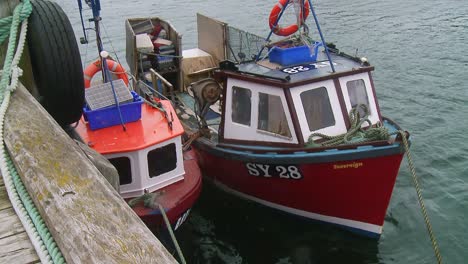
(293, 55)
(109, 116)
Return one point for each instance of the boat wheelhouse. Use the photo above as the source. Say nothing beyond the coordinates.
(288, 111)
(293, 124)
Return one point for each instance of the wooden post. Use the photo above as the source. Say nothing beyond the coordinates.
(88, 219)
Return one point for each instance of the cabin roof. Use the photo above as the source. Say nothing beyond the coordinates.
(309, 71)
(151, 129)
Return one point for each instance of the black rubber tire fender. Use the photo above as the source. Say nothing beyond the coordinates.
(56, 62)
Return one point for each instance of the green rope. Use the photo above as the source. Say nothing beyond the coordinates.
(9, 28)
(33, 213)
(420, 199)
(23, 10)
(148, 199)
(355, 133)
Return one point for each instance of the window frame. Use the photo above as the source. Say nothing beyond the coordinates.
(258, 117)
(239, 132)
(132, 171)
(340, 125)
(231, 109)
(374, 116)
(159, 148)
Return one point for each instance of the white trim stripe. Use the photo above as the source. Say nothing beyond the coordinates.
(329, 219)
(114, 66)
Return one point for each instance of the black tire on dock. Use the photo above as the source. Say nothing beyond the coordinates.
(56, 62)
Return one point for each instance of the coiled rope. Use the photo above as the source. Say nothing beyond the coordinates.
(420, 199)
(355, 133)
(40, 237)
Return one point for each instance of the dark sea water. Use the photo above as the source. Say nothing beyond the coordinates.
(420, 52)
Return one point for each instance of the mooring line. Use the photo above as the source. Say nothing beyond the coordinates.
(420, 199)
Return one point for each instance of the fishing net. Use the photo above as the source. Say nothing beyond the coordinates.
(243, 46)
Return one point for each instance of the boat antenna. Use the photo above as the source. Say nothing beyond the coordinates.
(103, 55)
(321, 35)
(83, 40)
(96, 8)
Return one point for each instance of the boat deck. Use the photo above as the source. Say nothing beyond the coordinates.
(15, 246)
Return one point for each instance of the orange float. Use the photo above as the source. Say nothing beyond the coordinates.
(285, 31)
(95, 67)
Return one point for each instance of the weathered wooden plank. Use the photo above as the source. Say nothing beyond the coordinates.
(4, 200)
(17, 249)
(9, 223)
(89, 221)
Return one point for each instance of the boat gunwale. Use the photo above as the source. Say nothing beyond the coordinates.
(229, 144)
(300, 156)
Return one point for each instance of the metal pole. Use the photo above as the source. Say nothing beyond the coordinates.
(271, 31)
(96, 8)
(321, 35)
(107, 74)
(80, 7)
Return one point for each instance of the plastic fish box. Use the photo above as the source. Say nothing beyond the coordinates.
(290, 56)
(109, 116)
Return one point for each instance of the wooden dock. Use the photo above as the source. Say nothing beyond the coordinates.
(15, 246)
(88, 219)
(85, 215)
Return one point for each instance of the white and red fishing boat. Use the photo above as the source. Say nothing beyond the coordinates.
(146, 151)
(293, 124)
(141, 135)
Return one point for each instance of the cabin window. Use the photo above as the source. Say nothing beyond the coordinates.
(358, 94)
(162, 160)
(241, 105)
(317, 108)
(122, 164)
(271, 116)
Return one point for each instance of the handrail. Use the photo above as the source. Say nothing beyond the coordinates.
(155, 76)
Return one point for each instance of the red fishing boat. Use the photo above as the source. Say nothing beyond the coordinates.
(293, 124)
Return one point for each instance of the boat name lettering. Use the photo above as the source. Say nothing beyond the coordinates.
(268, 171)
(306, 67)
(353, 165)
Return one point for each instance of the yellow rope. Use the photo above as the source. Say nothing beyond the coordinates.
(420, 199)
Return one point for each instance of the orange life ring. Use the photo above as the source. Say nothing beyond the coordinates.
(95, 67)
(285, 31)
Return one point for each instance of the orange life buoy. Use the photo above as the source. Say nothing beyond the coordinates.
(285, 31)
(95, 67)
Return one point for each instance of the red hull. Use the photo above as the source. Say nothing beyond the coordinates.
(176, 198)
(351, 193)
